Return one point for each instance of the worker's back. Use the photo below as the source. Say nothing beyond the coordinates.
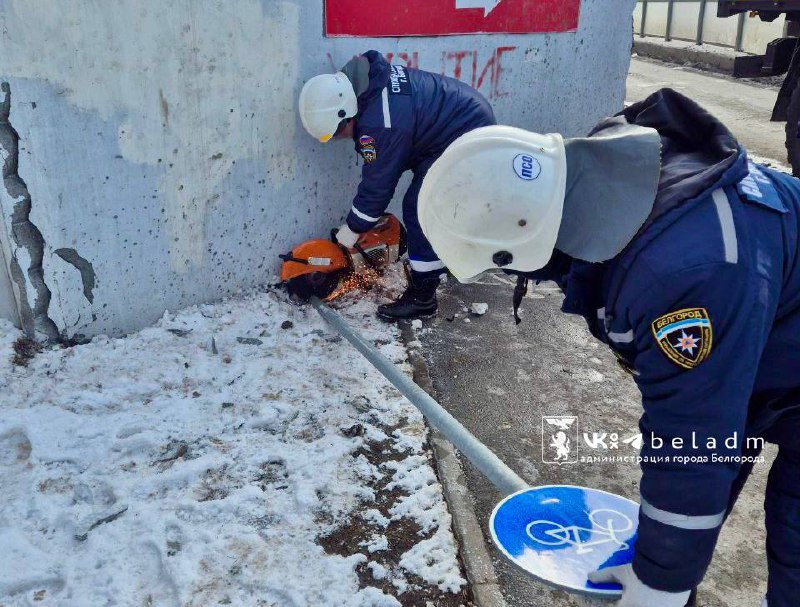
(431, 110)
(444, 109)
(406, 119)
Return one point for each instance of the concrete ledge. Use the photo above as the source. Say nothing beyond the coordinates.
(717, 58)
(480, 571)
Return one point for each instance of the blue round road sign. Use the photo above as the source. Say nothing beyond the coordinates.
(560, 534)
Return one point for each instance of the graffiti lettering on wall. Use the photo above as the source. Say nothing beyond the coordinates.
(482, 70)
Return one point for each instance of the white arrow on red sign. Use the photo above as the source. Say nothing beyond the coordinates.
(487, 5)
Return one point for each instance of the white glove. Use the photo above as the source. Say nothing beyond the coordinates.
(635, 592)
(346, 237)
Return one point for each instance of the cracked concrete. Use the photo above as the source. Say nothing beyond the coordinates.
(26, 241)
(84, 266)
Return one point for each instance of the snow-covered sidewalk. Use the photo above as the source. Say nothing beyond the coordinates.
(234, 454)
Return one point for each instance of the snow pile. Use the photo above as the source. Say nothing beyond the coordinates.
(200, 461)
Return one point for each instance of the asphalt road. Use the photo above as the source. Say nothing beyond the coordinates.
(500, 379)
(744, 105)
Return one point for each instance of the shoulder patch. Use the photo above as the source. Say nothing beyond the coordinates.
(367, 148)
(685, 336)
(399, 83)
(757, 187)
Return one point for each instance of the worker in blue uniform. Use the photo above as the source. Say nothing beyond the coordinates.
(401, 119)
(682, 255)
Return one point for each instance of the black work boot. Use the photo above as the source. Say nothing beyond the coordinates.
(418, 301)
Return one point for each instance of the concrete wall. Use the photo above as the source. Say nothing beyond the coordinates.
(160, 161)
(719, 31)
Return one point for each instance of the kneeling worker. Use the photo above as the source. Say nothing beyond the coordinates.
(683, 257)
(400, 119)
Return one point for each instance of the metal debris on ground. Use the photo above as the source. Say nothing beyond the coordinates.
(479, 309)
(180, 332)
(82, 537)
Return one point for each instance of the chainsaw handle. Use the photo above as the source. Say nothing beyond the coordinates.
(334, 233)
(359, 249)
(380, 225)
(290, 257)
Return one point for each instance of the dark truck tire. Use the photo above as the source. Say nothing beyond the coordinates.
(793, 130)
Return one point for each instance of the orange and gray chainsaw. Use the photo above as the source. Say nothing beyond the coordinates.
(317, 267)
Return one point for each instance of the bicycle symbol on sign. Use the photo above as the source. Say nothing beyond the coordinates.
(606, 525)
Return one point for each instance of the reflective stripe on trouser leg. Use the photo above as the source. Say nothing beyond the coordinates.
(426, 266)
(782, 506)
(420, 252)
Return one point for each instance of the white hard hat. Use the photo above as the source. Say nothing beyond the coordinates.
(325, 101)
(494, 199)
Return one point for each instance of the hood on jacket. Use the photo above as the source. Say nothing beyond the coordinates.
(369, 75)
(635, 167)
(698, 152)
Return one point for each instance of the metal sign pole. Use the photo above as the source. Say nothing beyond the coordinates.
(492, 467)
(529, 522)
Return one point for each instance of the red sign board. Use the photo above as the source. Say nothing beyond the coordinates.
(376, 18)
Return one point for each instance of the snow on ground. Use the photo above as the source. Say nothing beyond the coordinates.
(233, 454)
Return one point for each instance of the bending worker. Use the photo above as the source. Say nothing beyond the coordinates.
(683, 257)
(401, 119)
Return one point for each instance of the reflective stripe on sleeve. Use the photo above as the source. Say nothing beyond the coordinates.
(363, 216)
(727, 224)
(387, 116)
(682, 521)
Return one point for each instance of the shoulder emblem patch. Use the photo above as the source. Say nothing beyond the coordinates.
(685, 336)
(398, 81)
(367, 148)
